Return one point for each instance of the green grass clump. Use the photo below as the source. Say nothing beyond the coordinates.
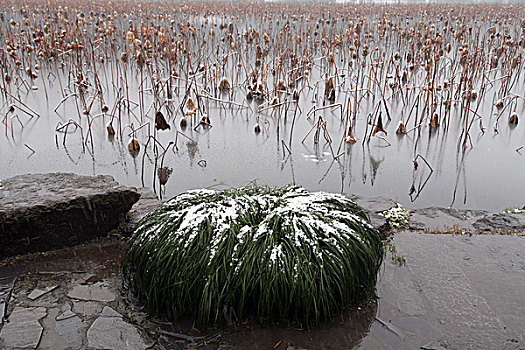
(254, 252)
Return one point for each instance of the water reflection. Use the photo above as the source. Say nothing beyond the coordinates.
(344, 332)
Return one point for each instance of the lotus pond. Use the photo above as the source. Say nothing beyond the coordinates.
(420, 103)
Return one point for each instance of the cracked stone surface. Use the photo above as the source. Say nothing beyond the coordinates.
(56, 337)
(109, 312)
(93, 292)
(23, 329)
(86, 308)
(37, 293)
(69, 329)
(114, 333)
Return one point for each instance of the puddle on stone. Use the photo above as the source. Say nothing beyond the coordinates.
(343, 332)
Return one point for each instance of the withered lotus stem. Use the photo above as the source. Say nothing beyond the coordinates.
(295, 95)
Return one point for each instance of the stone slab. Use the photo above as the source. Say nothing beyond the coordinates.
(114, 333)
(37, 293)
(87, 308)
(435, 219)
(65, 315)
(109, 312)
(374, 206)
(48, 211)
(445, 219)
(69, 329)
(460, 290)
(501, 222)
(23, 330)
(93, 292)
(147, 202)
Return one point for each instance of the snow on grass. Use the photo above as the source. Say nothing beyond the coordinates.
(270, 253)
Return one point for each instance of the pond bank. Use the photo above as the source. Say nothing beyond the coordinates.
(454, 291)
(459, 290)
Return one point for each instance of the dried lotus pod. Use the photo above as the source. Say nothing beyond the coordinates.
(224, 85)
(329, 90)
(350, 138)
(379, 126)
(111, 130)
(434, 121)
(133, 147)
(401, 129)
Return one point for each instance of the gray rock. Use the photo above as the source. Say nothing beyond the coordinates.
(114, 333)
(37, 293)
(109, 312)
(48, 211)
(374, 206)
(93, 292)
(23, 329)
(444, 219)
(65, 315)
(147, 202)
(504, 222)
(435, 345)
(69, 329)
(2, 311)
(86, 308)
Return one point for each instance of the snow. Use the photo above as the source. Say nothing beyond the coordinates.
(312, 218)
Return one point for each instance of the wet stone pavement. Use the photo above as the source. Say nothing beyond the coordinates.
(71, 303)
(455, 291)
